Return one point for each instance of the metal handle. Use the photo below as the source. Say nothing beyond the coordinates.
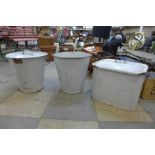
(18, 61)
(120, 61)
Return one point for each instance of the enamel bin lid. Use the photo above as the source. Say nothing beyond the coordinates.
(121, 66)
(26, 54)
(71, 55)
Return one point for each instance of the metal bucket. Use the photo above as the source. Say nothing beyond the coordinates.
(29, 68)
(118, 82)
(72, 70)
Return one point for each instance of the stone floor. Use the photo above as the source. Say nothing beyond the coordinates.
(53, 109)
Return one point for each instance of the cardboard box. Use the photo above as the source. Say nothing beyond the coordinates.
(148, 91)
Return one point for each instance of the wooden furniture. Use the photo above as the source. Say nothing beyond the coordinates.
(73, 44)
(50, 50)
(17, 40)
(16, 34)
(46, 44)
(45, 41)
(66, 48)
(93, 49)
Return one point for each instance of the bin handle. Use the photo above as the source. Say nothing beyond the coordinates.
(18, 61)
(122, 61)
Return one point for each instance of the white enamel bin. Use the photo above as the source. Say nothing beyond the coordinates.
(72, 70)
(29, 68)
(118, 82)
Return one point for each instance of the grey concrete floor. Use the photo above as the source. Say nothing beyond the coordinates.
(52, 108)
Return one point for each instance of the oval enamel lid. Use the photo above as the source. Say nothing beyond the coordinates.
(72, 55)
(121, 66)
(26, 54)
